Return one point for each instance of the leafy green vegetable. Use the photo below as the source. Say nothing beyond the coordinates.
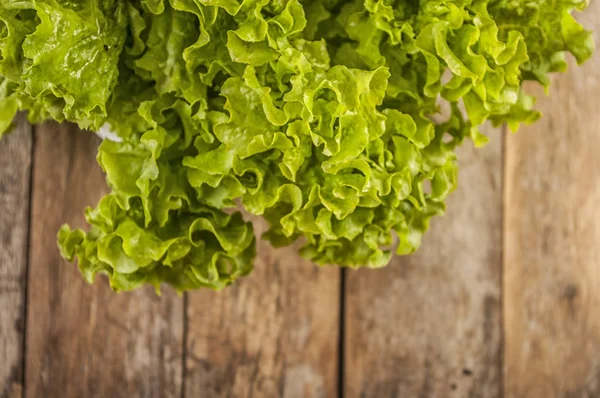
(317, 115)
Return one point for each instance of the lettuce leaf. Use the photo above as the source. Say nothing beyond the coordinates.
(324, 117)
(61, 57)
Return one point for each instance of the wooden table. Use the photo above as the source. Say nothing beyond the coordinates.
(502, 300)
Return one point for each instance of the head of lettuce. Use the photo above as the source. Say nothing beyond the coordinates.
(315, 114)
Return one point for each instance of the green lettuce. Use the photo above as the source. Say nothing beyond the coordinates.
(323, 117)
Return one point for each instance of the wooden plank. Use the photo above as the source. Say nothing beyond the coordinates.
(15, 165)
(429, 325)
(272, 334)
(552, 240)
(82, 340)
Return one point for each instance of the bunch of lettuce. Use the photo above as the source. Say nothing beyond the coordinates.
(316, 114)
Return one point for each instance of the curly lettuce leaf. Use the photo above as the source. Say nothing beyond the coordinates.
(61, 57)
(202, 247)
(321, 116)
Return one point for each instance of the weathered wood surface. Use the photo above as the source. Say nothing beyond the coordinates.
(273, 334)
(429, 325)
(499, 302)
(86, 341)
(552, 235)
(15, 163)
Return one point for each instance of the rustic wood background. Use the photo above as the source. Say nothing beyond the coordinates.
(502, 300)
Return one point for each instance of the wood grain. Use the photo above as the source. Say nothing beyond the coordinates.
(429, 325)
(272, 334)
(86, 341)
(552, 235)
(15, 165)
